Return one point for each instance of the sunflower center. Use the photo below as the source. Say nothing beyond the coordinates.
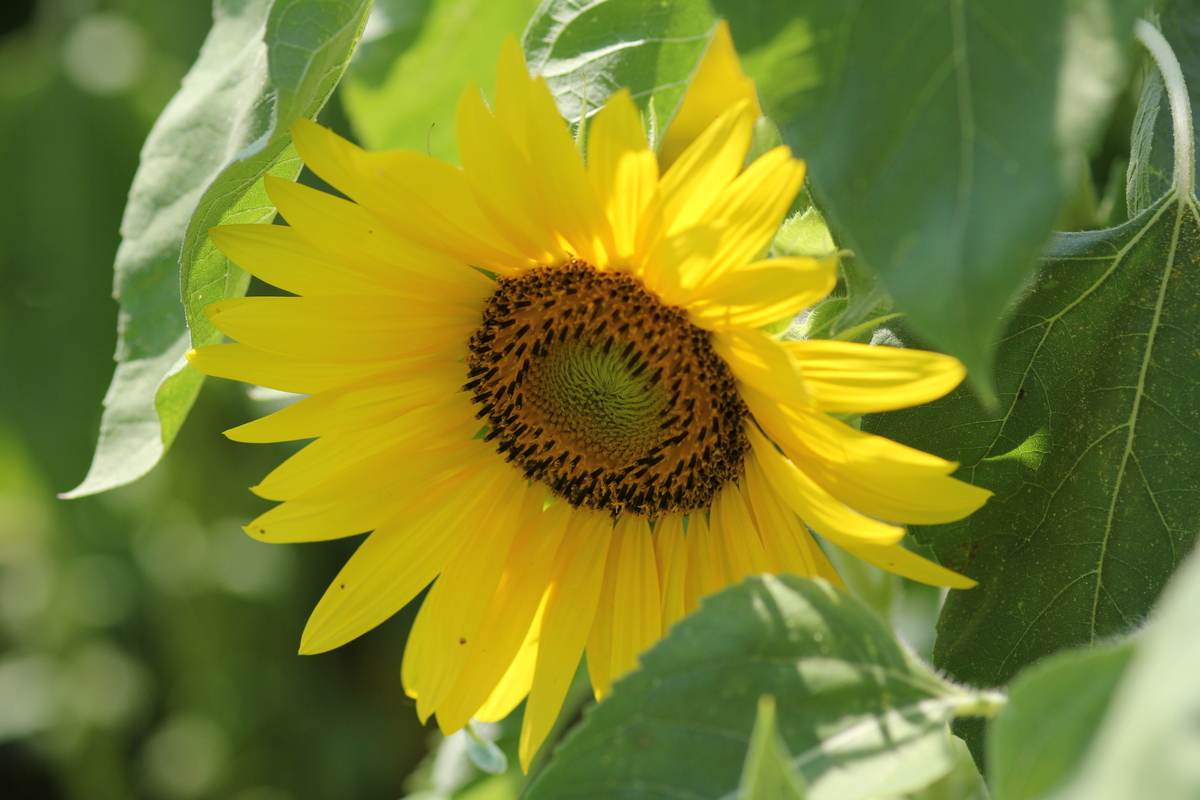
(613, 400)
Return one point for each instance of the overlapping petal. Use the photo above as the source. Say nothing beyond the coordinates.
(718, 85)
(423, 199)
(846, 377)
(761, 293)
(622, 170)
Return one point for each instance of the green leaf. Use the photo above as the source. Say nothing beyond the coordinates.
(452, 769)
(935, 135)
(1098, 425)
(862, 716)
(588, 49)
(262, 67)
(417, 58)
(804, 234)
(1053, 711)
(485, 753)
(768, 773)
(1149, 743)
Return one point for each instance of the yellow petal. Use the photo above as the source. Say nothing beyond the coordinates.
(345, 328)
(393, 565)
(777, 524)
(718, 84)
(636, 603)
(352, 235)
(622, 168)
(282, 257)
(746, 555)
(514, 686)
(761, 293)
(356, 406)
(510, 629)
(703, 574)
(816, 507)
(570, 609)
(846, 377)
(785, 539)
(241, 362)
(698, 179)
(670, 551)
(320, 460)
(750, 210)
(896, 559)
(678, 262)
(599, 643)
(761, 363)
(424, 199)
(449, 620)
(499, 175)
(361, 498)
(870, 473)
(445, 422)
(525, 108)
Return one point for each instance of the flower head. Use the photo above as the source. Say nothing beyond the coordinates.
(544, 383)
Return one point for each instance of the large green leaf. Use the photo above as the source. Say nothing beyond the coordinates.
(263, 66)
(587, 49)
(769, 773)
(941, 135)
(1053, 710)
(417, 57)
(1091, 453)
(1149, 743)
(861, 716)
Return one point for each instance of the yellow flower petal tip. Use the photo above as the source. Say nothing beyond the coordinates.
(447, 407)
(718, 84)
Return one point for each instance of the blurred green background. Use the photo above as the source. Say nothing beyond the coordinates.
(147, 646)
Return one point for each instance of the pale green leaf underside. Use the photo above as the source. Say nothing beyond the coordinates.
(1054, 708)
(262, 66)
(588, 49)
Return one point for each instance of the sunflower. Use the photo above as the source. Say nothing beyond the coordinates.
(544, 382)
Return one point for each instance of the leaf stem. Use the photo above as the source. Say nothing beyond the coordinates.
(986, 703)
(1181, 105)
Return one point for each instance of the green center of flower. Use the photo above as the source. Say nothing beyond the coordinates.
(612, 399)
(600, 398)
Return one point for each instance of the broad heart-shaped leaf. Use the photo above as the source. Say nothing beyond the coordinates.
(1093, 454)
(263, 66)
(416, 58)
(1053, 710)
(1149, 743)
(861, 716)
(588, 49)
(939, 135)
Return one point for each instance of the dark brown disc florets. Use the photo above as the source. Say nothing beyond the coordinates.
(609, 397)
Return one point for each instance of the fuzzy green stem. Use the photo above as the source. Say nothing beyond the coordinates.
(1181, 104)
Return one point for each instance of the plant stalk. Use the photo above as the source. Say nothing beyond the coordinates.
(1184, 178)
